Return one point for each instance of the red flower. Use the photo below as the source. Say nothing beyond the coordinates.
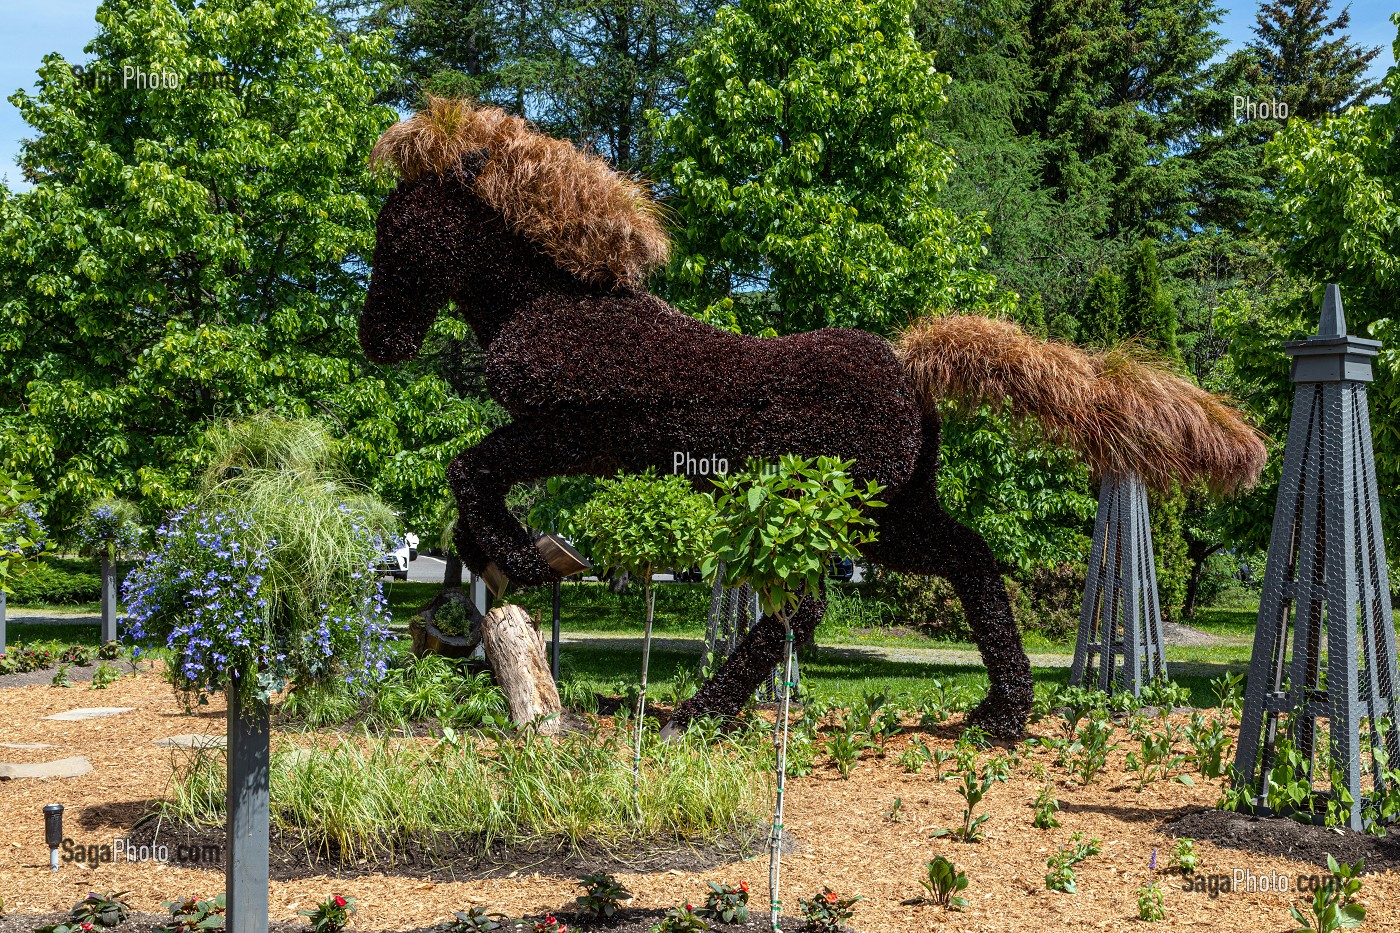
(339, 901)
(85, 925)
(830, 897)
(744, 886)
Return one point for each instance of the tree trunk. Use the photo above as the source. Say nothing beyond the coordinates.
(452, 573)
(517, 656)
(1199, 555)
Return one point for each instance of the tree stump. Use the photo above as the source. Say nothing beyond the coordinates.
(517, 656)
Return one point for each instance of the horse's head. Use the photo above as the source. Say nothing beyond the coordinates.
(489, 210)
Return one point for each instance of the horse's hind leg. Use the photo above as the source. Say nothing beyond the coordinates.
(481, 476)
(917, 536)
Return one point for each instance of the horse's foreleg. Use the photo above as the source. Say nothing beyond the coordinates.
(751, 663)
(480, 478)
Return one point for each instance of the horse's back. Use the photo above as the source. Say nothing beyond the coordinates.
(696, 390)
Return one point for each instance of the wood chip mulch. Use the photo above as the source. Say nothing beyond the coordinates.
(848, 842)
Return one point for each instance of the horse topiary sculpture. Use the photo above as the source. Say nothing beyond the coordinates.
(542, 249)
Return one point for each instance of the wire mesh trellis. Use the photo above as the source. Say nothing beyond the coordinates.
(733, 612)
(1119, 644)
(1317, 735)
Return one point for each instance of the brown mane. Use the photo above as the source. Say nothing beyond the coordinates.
(594, 223)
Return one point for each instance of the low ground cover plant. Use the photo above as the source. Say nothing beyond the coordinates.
(476, 919)
(603, 895)
(331, 915)
(683, 919)
(942, 885)
(728, 903)
(193, 915)
(1061, 874)
(827, 911)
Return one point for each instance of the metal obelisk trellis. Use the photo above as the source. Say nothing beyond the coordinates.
(1120, 617)
(1326, 570)
(733, 611)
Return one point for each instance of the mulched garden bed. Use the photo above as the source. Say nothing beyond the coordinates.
(1279, 837)
(627, 920)
(448, 859)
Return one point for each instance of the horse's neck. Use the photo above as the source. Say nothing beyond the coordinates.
(491, 303)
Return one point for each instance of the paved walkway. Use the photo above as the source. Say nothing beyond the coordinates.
(51, 617)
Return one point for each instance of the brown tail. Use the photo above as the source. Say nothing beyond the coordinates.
(1122, 413)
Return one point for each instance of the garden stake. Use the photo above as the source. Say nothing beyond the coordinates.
(776, 839)
(642, 696)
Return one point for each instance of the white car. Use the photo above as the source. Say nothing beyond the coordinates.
(395, 563)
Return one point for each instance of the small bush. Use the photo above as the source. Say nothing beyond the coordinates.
(56, 581)
(193, 915)
(476, 919)
(827, 911)
(1150, 906)
(944, 882)
(681, 920)
(602, 895)
(727, 903)
(331, 915)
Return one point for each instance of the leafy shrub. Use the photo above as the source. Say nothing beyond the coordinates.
(331, 915)
(56, 581)
(1061, 864)
(1184, 857)
(1150, 906)
(944, 882)
(1046, 806)
(476, 919)
(452, 617)
(602, 894)
(1333, 906)
(681, 920)
(101, 910)
(727, 902)
(193, 915)
(1045, 599)
(827, 911)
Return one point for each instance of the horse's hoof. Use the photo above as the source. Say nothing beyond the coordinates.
(561, 556)
(495, 579)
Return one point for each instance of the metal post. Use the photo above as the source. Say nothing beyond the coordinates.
(1326, 577)
(1120, 616)
(480, 597)
(249, 766)
(554, 640)
(109, 599)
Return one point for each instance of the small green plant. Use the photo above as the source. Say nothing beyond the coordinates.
(681, 920)
(331, 915)
(1077, 702)
(1165, 695)
(193, 915)
(476, 919)
(895, 812)
(1333, 905)
(1089, 752)
(1184, 858)
(1229, 692)
(973, 789)
(1046, 806)
(78, 655)
(1155, 757)
(827, 911)
(1150, 905)
(103, 910)
(550, 924)
(727, 903)
(844, 749)
(602, 894)
(105, 676)
(943, 884)
(911, 761)
(1061, 864)
(60, 677)
(1209, 745)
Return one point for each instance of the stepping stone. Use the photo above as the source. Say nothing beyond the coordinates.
(26, 746)
(90, 712)
(63, 767)
(193, 740)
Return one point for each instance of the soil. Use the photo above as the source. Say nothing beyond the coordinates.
(1284, 838)
(454, 859)
(848, 840)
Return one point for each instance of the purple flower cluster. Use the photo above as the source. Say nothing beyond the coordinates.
(22, 533)
(105, 531)
(204, 594)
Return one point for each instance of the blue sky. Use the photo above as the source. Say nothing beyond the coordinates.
(29, 29)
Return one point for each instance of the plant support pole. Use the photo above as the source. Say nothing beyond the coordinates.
(109, 599)
(246, 865)
(642, 696)
(775, 845)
